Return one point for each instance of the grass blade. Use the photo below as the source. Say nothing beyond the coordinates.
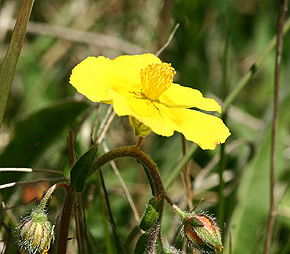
(9, 64)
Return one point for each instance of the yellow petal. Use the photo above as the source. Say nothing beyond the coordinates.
(91, 78)
(131, 65)
(95, 75)
(185, 97)
(118, 82)
(143, 110)
(205, 130)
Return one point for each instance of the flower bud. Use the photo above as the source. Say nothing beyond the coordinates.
(36, 233)
(139, 128)
(202, 232)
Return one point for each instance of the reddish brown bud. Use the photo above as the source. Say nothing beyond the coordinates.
(202, 232)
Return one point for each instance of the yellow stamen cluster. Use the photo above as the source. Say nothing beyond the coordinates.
(156, 78)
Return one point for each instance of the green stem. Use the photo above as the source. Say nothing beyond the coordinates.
(132, 151)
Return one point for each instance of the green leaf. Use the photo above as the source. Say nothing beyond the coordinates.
(82, 168)
(9, 64)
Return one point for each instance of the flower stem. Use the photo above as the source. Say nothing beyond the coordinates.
(134, 152)
(139, 142)
(154, 179)
(170, 202)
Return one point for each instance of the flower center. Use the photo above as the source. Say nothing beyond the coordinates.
(156, 78)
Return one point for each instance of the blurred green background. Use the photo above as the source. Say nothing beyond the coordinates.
(43, 107)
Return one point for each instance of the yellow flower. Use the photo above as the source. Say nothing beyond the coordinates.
(141, 86)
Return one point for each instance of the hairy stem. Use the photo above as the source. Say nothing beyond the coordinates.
(133, 152)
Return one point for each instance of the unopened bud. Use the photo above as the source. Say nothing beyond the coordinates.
(202, 232)
(36, 233)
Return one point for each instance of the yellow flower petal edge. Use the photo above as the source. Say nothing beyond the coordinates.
(186, 97)
(142, 87)
(205, 130)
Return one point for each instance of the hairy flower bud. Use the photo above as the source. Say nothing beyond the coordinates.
(36, 233)
(202, 232)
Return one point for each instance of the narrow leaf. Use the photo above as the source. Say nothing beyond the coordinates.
(82, 168)
(9, 64)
